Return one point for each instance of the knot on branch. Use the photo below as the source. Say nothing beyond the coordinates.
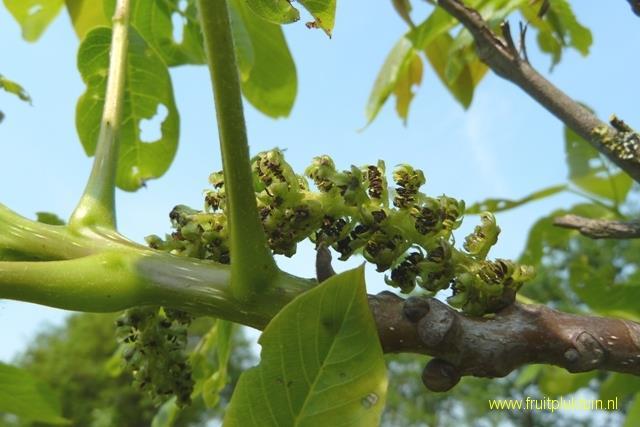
(588, 354)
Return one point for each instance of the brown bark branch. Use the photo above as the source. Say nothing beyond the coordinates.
(635, 6)
(494, 347)
(506, 63)
(600, 228)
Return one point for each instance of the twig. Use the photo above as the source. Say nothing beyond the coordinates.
(494, 347)
(600, 228)
(499, 56)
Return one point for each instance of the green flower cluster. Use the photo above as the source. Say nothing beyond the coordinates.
(153, 341)
(408, 234)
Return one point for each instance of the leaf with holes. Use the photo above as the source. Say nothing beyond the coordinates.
(148, 93)
(271, 83)
(589, 171)
(172, 28)
(321, 363)
(499, 205)
(33, 15)
(23, 395)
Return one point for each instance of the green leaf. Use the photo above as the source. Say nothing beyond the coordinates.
(274, 11)
(49, 218)
(14, 88)
(216, 382)
(558, 29)
(555, 381)
(87, 14)
(23, 395)
(589, 171)
(272, 84)
(388, 76)
(528, 375)
(167, 414)
(155, 22)
(243, 45)
(619, 386)
(499, 205)
(544, 236)
(324, 13)
(33, 15)
(148, 92)
(321, 363)
(439, 53)
(633, 413)
(410, 75)
(436, 24)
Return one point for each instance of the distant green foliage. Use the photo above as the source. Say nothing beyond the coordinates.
(81, 363)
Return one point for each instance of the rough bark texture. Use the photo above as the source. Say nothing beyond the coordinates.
(494, 347)
(600, 228)
(504, 59)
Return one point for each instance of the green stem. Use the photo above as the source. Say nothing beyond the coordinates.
(38, 241)
(97, 204)
(252, 265)
(116, 280)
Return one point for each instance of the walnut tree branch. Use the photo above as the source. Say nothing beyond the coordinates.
(494, 347)
(496, 53)
(600, 228)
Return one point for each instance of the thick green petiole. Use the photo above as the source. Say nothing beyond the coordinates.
(252, 264)
(97, 204)
(106, 272)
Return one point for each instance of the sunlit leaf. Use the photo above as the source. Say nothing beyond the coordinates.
(410, 76)
(323, 11)
(397, 60)
(87, 14)
(439, 54)
(272, 83)
(589, 171)
(33, 15)
(321, 363)
(558, 29)
(148, 92)
(23, 395)
(275, 11)
(498, 205)
(403, 8)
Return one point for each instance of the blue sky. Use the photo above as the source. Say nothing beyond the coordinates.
(505, 145)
